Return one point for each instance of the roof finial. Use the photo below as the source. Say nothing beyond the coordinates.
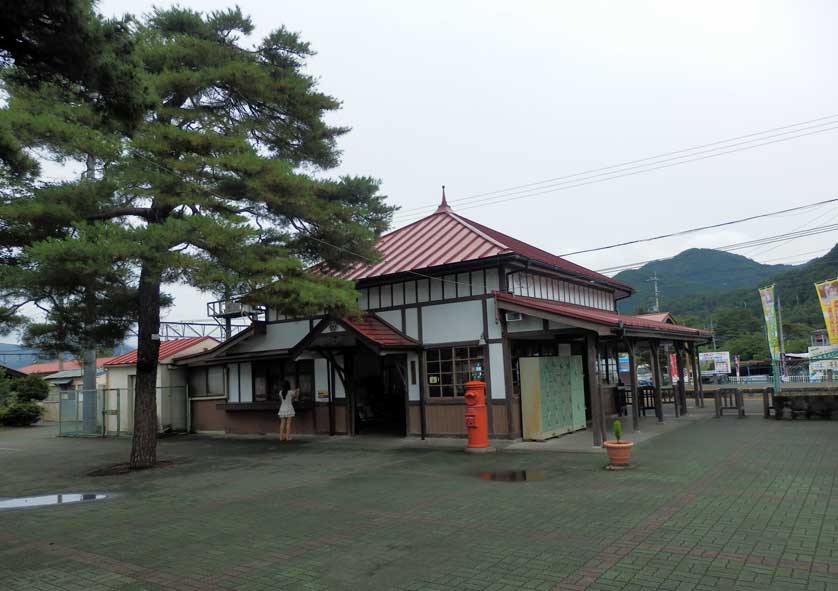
(443, 207)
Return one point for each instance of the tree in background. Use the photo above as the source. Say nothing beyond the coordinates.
(64, 42)
(218, 185)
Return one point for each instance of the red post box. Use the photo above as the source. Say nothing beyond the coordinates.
(477, 422)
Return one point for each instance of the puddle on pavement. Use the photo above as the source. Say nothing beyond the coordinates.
(48, 500)
(513, 475)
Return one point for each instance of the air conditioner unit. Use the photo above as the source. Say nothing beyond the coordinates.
(514, 316)
(234, 308)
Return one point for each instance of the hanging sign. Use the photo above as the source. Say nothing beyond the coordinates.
(769, 311)
(828, 297)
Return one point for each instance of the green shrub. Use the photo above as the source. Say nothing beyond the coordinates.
(618, 429)
(20, 414)
(30, 388)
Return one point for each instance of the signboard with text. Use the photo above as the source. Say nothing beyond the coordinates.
(714, 362)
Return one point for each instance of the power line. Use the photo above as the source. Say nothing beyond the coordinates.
(651, 160)
(634, 173)
(737, 246)
(346, 250)
(776, 246)
(416, 273)
(701, 228)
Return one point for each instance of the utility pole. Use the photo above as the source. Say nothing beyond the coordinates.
(656, 296)
(714, 334)
(89, 402)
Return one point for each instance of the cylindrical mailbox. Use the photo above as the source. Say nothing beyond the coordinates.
(477, 422)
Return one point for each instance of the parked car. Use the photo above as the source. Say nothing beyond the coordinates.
(645, 378)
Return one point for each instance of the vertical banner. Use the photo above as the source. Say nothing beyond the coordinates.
(673, 368)
(828, 297)
(769, 310)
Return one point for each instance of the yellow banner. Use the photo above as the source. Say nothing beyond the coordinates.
(769, 311)
(828, 296)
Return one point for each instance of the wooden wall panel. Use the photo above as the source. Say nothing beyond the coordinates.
(414, 419)
(446, 419)
(499, 423)
(516, 416)
(206, 417)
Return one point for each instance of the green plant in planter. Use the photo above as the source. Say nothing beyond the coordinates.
(618, 429)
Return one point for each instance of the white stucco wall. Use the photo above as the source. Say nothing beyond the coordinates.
(411, 319)
(455, 322)
(282, 335)
(393, 317)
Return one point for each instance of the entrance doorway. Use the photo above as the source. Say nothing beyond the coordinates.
(380, 394)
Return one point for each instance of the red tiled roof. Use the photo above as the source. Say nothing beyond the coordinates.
(49, 367)
(601, 317)
(378, 331)
(167, 349)
(444, 238)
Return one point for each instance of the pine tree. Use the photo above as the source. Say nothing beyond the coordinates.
(219, 185)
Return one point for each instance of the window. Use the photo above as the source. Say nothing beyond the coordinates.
(206, 381)
(269, 375)
(198, 381)
(215, 379)
(450, 368)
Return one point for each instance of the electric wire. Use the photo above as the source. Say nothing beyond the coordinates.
(722, 145)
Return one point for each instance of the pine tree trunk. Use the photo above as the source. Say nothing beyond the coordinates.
(144, 443)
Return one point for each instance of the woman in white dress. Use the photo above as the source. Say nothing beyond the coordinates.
(286, 410)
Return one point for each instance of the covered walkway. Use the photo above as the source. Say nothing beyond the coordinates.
(600, 337)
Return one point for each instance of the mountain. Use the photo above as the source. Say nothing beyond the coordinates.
(696, 271)
(736, 314)
(15, 356)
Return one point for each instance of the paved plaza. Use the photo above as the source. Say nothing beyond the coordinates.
(715, 504)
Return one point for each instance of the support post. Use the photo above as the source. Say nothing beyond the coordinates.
(698, 384)
(597, 419)
(656, 369)
(635, 408)
(682, 387)
(423, 393)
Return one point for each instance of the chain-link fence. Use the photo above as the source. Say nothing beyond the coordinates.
(109, 412)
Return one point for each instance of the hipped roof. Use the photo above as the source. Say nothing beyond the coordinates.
(445, 238)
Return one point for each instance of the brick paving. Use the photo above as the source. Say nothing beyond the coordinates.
(716, 504)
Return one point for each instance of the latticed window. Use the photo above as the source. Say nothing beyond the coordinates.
(451, 367)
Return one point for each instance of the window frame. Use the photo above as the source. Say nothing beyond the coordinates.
(450, 382)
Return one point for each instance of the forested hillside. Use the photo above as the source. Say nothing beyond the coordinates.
(736, 314)
(696, 271)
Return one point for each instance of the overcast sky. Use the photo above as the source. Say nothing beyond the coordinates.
(482, 96)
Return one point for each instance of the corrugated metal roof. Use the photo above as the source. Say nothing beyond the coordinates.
(444, 238)
(601, 317)
(65, 374)
(49, 367)
(167, 349)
